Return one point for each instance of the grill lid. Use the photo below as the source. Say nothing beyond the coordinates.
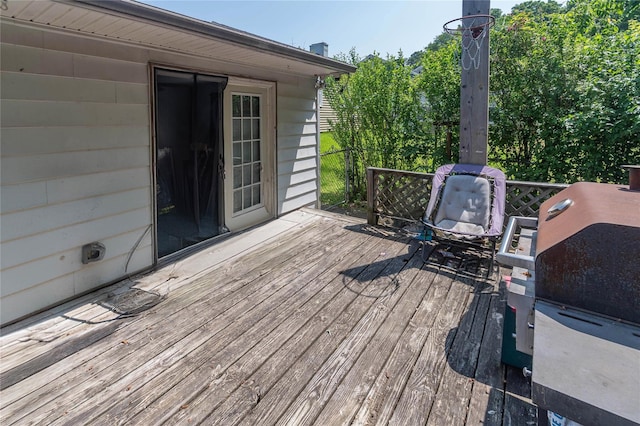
(588, 255)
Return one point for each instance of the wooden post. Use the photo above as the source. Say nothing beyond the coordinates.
(372, 216)
(474, 97)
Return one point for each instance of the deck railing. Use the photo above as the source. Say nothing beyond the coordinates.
(402, 195)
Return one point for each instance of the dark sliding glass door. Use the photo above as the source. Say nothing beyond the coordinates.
(189, 159)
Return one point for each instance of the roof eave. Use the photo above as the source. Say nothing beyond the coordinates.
(221, 32)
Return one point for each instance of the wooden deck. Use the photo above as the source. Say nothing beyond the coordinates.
(312, 319)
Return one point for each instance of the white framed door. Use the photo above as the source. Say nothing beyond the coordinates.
(249, 146)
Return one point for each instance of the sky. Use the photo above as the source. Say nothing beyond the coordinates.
(385, 27)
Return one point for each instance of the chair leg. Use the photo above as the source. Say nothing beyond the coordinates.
(426, 256)
(493, 258)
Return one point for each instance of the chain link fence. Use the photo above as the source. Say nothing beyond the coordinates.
(334, 177)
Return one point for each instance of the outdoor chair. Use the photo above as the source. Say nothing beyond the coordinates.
(466, 208)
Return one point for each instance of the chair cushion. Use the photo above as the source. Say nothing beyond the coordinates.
(460, 227)
(465, 205)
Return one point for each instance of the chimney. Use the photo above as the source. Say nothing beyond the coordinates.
(321, 48)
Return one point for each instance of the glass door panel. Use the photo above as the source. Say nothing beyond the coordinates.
(189, 153)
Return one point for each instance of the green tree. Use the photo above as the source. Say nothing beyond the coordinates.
(379, 117)
(440, 85)
(531, 87)
(603, 126)
(564, 97)
(539, 8)
(565, 93)
(414, 59)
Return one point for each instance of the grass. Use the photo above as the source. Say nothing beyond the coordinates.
(332, 173)
(328, 143)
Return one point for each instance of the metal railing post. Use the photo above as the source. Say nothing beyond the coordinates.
(347, 162)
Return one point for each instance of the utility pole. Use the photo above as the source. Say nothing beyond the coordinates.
(474, 92)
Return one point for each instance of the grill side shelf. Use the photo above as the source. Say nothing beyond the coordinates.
(505, 255)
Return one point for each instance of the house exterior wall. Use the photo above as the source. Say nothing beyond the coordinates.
(327, 113)
(297, 147)
(76, 159)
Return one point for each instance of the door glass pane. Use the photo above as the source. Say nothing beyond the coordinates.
(256, 173)
(246, 106)
(236, 106)
(237, 177)
(237, 153)
(246, 129)
(255, 103)
(237, 200)
(246, 152)
(256, 194)
(256, 150)
(246, 198)
(237, 130)
(246, 175)
(256, 128)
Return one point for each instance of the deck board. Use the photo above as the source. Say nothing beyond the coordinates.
(330, 322)
(184, 298)
(487, 395)
(277, 326)
(416, 401)
(317, 322)
(209, 325)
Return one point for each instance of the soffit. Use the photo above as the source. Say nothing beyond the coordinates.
(132, 22)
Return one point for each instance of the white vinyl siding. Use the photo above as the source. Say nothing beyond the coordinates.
(297, 147)
(75, 169)
(327, 114)
(76, 155)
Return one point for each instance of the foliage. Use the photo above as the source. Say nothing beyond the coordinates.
(531, 89)
(440, 84)
(379, 117)
(603, 127)
(565, 86)
(564, 99)
(538, 8)
(415, 58)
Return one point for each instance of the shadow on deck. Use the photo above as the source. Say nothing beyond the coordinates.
(331, 321)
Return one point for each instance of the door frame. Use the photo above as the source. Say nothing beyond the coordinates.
(267, 91)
